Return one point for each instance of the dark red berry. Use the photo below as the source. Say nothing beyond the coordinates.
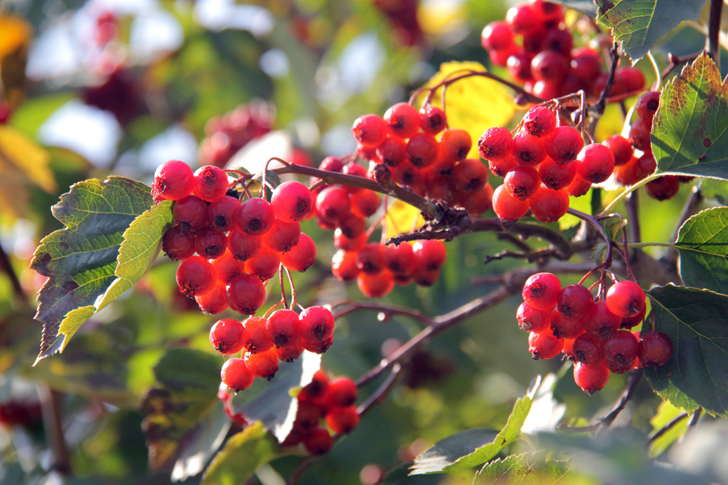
(195, 276)
(375, 285)
(226, 336)
(221, 213)
(422, 150)
(365, 203)
(432, 119)
(469, 176)
(341, 392)
(191, 213)
(342, 420)
(574, 301)
(227, 267)
(550, 66)
(178, 244)
(301, 256)
(370, 258)
(564, 144)
(316, 329)
(663, 188)
(588, 349)
(210, 183)
(210, 243)
(255, 337)
(566, 328)
(400, 259)
(620, 350)
(647, 105)
(243, 246)
(282, 328)
(600, 322)
(245, 294)
(655, 349)
(318, 442)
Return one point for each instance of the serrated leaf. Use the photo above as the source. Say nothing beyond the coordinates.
(272, 403)
(472, 447)
(109, 242)
(703, 245)
(639, 24)
(473, 104)
(526, 468)
(689, 128)
(242, 454)
(695, 320)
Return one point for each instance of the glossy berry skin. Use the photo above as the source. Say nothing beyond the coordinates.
(591, 378)
(469, 176)
(522, 182)
(315, 391)
(264, 265)
(549, 205)
(544, 345)
(523, 19)
(370, 258)
(495, 143)
(539, 121)
(600, 322)
(209, 243)
(432, 119)
(262, 364)
(621, 148)
(566, 328)
(302, 256)
(531, 319)
(282, 328)
(496, 36)
(343, 265)
(508, 208)
(564, 144)
(172, 181)
(429, 254)
(342, 420)
(620, 351)
(282, 236)
(595, 163)
(574, 301)
(586, 63)
(392, 151)
(635, 320)
(644, 166)
(625, 299)
(639, 135)
(191, 213)
(243, 246)
(290, 352)
(422, 150)
(527, 149)
(663, 188)
(226, 336)
(559, 40)
(647, 104)
(370, 130)
(403, 120)
(245, 294)
(400, 259)
(195, 276)
(352, 227)
(213, 302)
(541, 291)
(178, 244)
(588, 349)
(255, 216)
(319, 442)
(221, 213)
(376, 285)
(209, 183)
(227, 267)
(655, 349)
(256, 338)
(341, 392)
(235, 375)
(519, 66)
(365, 203)
(291, 201)
(550, 66)
(316, 329)
(556, 176)
(455, 144)
(332, 204)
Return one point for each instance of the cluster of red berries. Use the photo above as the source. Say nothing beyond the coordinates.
(425, 156)
(594, 334)
(538, 50)
(238, 246)
(402, 14)
(283, 335)
(25, 413)
(542, 165)
(229, 133)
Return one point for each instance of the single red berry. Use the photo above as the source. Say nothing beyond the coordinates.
(264, 265)
(221, 213)
(291, 201)
(544, 345)
(332, 204)
(341, 392)
(546, 89)
(600, 322)
(574, 301)
(432, 119)
(315, 390)
(227, 267)
(342, 420)
(352, 227)
(639, 135)
(343, 265)
(522, 182)
(563, 327)
(633, 321)
(550, 66)
(479, 202)
(620, 350)
(429, 254)
(262, 364)
(301, 256)
(655, 349)
(191, 213)
(495, 143)
(595, 163)
(365, 203)
(496, 36)
(316, 328)
(549, 205)
(172, 181)
(195, 276)
(621, 148)
(235, 375)
(578, 187)
(527, 149)
(290, 352)
(282, 236)
(242, 245)
(282, 328)
(586, 63)
(564, 144)
(541, 291)
(663, 188)
(558, 40)
(178, 244)
(408, 175)
(591, 378)
(469, 176)
(209, 183)
(539, 121)
(355, 170)
(519, 66)
(556, 176)
(500, 58)
(508, 208)
(400, 259)
(524, 19)
(455, 144)
(426, 277)
(370, 258)
(213, 302)
(392, 151)
(255, 216)
(647, 105)
(403, 120)
(245, 294)
(375, 285)
(209, 243)
(632, 77)
(549, 11)
(349, 244)
(644, 166)
(319, 442)
(532, 319)
(422, 150)
(226, 336)
(588, 349)
(625, 299)
(369, 130)
(256, 338)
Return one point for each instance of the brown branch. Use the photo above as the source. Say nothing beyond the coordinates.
(695, 418)
(51, 407)
(608, 419)
(712, 45)
(633, 221)
(381, 393)
(556, 267)
(7, 266)
(387, 311)
(601, 103)
(667, 427)
(675, 61)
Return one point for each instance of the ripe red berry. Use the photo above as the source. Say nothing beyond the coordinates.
(469, 176)
(508, 208)
(392, 151)
(429, 254)
(245, 294)
(595, 163)
(556, 176)
(342, 420)
(341, 392)
(227, 267)
(264, 265)
(400, 259)
(407, 174)
(591, 378)
(633, 321)
(422, 150)
(496, 36)
(195, 276)
(316, 329)
(522, 182)
(621, 148)
(209, 183)
(221, 213)
(262, 364)
(546, 89)
(588, 349)
(172, 181)
(301, 256)
(559, 40)
(549, 205)
(191, 213)
(479, 202)
(527, 149)
(625, 299)
(455, 144)
(318, 442)
(343, 265)
(639, 135)
(564, 144)
(550, 66)
(600, 322)
(226, 336)
(282, 328)
(375, 285)
(315, 390)
(291, 352)
(365, 203)
(586, 63)
(255, 216)
(426, 277)
(308, 416)
(532, 319)
(235, 375)
(539, 121)
(519, 66)
(256, 338)
(663, 188)
(644, 166)
(291, 201)
(178, 244)
(544, 345)
(352, 227)
(282, 236)
(369, 130)
(243, 246)
(370, 258)
(647, 105)
(655, 349)
(566, 328)
(632, 77)
(574, 301)
(403, 120)
(213, 302)
(524, 19)
(209, 243)
(333, 205)
(541, 291)
(432, 119)
(620, 350)
(578, 187)
(495, 143)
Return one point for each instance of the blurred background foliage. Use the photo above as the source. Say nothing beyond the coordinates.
(104, 87)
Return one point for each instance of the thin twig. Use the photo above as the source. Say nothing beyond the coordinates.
(52, 409)
(381, 393)
(667, 427)
(675, 61)
(695, 418)
(633, 226)
(712, 42)
(607, 420)
(7, 266)
(387, 310)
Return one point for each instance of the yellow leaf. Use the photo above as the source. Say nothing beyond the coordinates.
(14, 33)
(610, 123)
(473, 104)
(439, 17)
(401, 219)
(27, 156)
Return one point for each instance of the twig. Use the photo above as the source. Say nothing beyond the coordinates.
(515, 241)
(675, 61)
(689, 209)
(608, 419)
(633, 226)
(667, 427)
(301, 468)
(51, 407)
(7, 267)
(387, 310)
(556, 267)
(601, 103)
(379, 395)
(695, 418)
(712, 42)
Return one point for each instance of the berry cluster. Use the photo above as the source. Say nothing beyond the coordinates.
(402, 14)
(538, 50)
(230, 249)
(425, 156)
(594, 334)
(229, 133)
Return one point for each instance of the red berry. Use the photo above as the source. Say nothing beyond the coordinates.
(209, 243)
(429, 254)
(427, 277)
(407, 174)
(633, 321)
(455, 144)
(213, 302)
(639, 135)
(432, 119)
(644, 166)
(226, 336)
(546, 89)
(422, 150)
(282, 328)
(221, 213)
(522, 182)
(549, 205)
(400, 259)
(559, 40)
(255, 216)
(495, 144)
(191, 213)
(290, 352)
(519, 66)
(556, 176)
(392, 151)
(172, 181)
(209, 183)
(370, 258)
(595, 163)
(262, 364)
(655, 349)
(343, 265)
(333, 205)
(550, 66)
(496, 36)
(591, 378)
(620, 351)
(369, 130)
(578, 187)
(316, 329)
(255, 337)
(301, 256)
(663, 188)
(352, 227)
(508, 208)
(469, 176)
(282, 236)
(315, 390)
(308, 416)
(226, 267)
(541, 291)
(527, 149)
(600, 322)
(586, 63)
(544, 345)
(403, 120)
(375, 285)
(621, 148)
(243, 246)
(647, 105)
(291, 201)
(318, 442)
(245, 294)
(625, 299)
(365, 203)
(479, 202)
(235, 375)
(524, 20)
(264, 265)
(195, 276)
(588, 349)
(574, 301)
(563, 327)
(178, 244)
(341, 392)
(564, 144)
(632, 77)
(349, 244)
(532, 319)
(539, 121)
(342, 420)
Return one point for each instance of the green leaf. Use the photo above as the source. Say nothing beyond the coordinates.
(695, 320)
(187, 368)
(201, 443)
(639, 24)
(108, 244)
(715, 189)
(242, 454)
(689, 128)
(526, 468)
(703, 244)
(666, 412)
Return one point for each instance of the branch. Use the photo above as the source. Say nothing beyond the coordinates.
(7, 266)
(712, 42)
(51, 407)
(601, 104)
(667, 427)
(387, 311)
(379, 395)
(556, 267)
(608, 419)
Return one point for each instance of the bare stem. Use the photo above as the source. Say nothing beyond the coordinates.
(387, 311)
(381, 393)
(7, 266)
(667, 427)
(51, 407)
(632, 382)
(712, 42)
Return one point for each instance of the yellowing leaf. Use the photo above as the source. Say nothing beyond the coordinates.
(439, 17)
(27, 156)
(473, 104)
(14, 33)
(401, 219)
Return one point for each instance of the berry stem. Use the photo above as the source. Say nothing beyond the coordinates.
(386, 310)
(283, 288)
(380, 394)
(52, 410)
(608, 209)
(624, 398)
(667, 427)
